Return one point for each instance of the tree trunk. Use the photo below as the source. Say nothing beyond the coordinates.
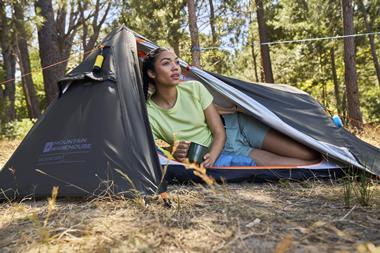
(344, 108)
(55, 39)
(254, 60)
(212, 23)
(9, 64)
(263, 34)
(23, 54)
(323, 83)
(174, 43)
(49, 50)
(195, 47)
(368, 26)
(350, 77)
(2, 104)
(10, 89)
(254, 55)
(335, 81)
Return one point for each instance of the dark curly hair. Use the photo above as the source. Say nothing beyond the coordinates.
(148, 64)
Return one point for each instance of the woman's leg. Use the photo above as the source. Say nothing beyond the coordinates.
(268, 146)
(265, 158)
(278, 149)
(282, 145)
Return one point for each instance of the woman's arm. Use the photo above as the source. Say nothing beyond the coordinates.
(219, 135)
(225, 110)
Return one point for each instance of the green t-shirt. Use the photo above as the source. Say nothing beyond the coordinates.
(186, 118)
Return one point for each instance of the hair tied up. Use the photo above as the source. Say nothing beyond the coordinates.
(148, 64)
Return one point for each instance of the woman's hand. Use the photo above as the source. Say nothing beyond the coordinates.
(181, 149)
(208, 160)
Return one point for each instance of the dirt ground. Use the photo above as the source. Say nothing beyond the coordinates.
(308, 216)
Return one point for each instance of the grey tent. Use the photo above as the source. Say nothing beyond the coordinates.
(95, 137)
(97, 134)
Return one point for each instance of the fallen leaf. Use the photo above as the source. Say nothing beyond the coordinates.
(284, 245)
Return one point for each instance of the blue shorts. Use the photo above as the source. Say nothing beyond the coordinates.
(244, 133)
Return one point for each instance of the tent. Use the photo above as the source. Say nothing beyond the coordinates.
(96, 137)
(289, 111)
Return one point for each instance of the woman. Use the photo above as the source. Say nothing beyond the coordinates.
(187, 111)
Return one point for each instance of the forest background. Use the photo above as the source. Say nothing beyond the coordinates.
(255, 40)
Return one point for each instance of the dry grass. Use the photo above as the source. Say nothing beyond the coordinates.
(371, 134)
(282, 217)
(6, 149)
(233, 218)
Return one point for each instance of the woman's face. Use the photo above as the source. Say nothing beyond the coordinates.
(167, 69)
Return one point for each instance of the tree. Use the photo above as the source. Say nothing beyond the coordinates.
(32, 102)
(55, 38)
(90, 32)
(252, 44)
(350, 77)
(308, 65)
(212, 23)
(225, 22)
(335, 81)
(174, 19)
(158, 20)
(195, 46)
(9, 65)
(368, 25)
(263, 34)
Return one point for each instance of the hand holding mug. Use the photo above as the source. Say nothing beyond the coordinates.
(181, 149)
(208, 160)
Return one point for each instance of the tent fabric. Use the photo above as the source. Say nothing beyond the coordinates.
(305, 114)
(180, 174)
(95, 137)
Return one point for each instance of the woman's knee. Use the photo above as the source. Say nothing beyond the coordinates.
(309, 154)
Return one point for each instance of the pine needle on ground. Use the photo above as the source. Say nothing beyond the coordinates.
(284, 217)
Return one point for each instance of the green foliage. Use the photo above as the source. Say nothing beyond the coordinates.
(20, 103)
(214, 60)
(368, 87)
(304, 65)
(15, 129)
(370, 102)
(358, 184)
(365, 189)
(157, 20)
(348, 185)
(38, 77)
(308, 65)
(2, 73)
